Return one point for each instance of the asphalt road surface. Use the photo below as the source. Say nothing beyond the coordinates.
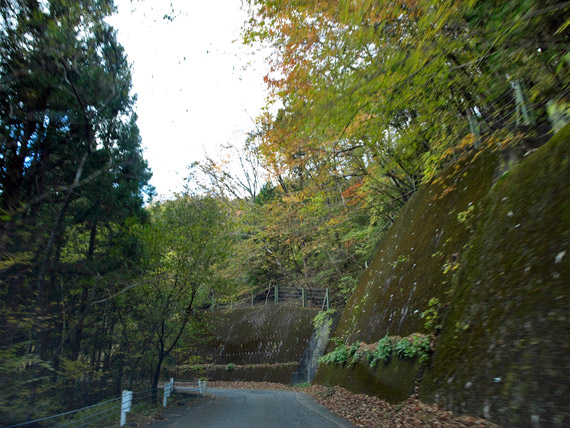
(234, 408)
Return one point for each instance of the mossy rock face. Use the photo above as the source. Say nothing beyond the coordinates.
(414, 263)
(495, 251)
(393, 381)
(408, 268)
(276, 374)
(266, 334)
(504, 351)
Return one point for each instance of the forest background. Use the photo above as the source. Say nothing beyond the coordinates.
(99, 284)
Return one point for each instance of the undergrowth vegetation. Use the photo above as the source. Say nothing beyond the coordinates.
(324, 317)
(415, 345)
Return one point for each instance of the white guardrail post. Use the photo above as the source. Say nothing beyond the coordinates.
(202, 386)
(126, 405)
(167, 390)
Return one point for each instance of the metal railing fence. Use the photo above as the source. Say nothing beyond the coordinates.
(113, 408)
(305, 297)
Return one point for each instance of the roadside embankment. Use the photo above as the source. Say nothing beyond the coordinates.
(483, 253)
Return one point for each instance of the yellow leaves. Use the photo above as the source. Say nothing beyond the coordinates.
(21, 258)
(335, 221)
(446, 191)
(466, 142)
(477, 154)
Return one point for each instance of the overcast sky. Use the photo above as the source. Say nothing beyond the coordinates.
(193, 91)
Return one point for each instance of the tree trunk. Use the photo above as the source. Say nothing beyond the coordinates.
(156, 376)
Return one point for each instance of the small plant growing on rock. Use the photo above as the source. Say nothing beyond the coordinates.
(341, 354)
(463, 216)
(415, 345)
(383, 351)
(432, 316)
(230, 367)
(323, 317)
(404, 349)
(355, 354)
(409, 347)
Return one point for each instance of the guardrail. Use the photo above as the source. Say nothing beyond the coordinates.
(202, 387)
(305, 297)
(106, 410)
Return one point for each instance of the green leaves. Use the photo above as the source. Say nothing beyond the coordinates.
(72, 180)
(375, 98)
(412, 346)
(383, 351)
(400, 78)
(185, 243)
(415, 345)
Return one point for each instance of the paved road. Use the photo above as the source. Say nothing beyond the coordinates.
(234, 408)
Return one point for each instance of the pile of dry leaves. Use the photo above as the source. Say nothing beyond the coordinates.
(371, 412)
(251, 385)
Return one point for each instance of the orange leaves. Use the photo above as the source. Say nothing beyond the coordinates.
(353, 194)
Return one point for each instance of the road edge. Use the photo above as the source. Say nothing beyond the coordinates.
(309, 403)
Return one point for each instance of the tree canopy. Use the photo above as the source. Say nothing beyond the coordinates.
(368, 100)
(72, 177)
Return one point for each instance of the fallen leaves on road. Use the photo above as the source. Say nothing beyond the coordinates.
(371, 412)
(251, 385)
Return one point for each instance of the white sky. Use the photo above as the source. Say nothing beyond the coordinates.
(193, 91)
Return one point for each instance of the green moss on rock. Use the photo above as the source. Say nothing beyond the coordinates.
(269, 334)
(277, 373)
(414, 263)
(394, 381)
(512, 293)
(262, 334)
(496, 255)
(408, 268)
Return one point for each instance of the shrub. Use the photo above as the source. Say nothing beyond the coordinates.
(415, 345)
(322, 317)
(383, 351)
(342, 354)
(355, 354)
(412, 346)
